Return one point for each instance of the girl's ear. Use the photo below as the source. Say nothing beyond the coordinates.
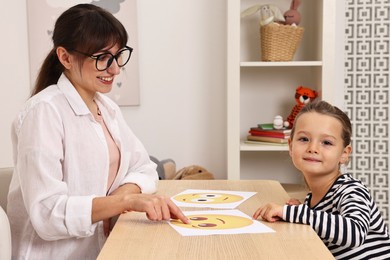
(64, 57)
(290, 146)
(345, 155)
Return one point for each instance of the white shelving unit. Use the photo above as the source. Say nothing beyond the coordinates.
(258, 91)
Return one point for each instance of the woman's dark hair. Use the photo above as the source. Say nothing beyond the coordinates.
(86, 28)
(324, 108)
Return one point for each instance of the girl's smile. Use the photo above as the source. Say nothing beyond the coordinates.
(311, 159)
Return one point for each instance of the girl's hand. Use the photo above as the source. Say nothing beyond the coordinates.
(271, 212)
(292, 202)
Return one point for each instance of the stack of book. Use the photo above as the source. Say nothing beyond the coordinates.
(266, 134)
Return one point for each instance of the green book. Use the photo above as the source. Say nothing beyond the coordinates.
(269, 126)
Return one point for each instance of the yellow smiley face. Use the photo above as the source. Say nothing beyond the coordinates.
(214, 221)
(208, 198)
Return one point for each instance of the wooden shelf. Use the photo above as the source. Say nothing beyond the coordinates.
(262, 147)
(281, 64)
(258, 90)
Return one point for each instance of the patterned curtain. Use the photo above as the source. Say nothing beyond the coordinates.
(367, 86)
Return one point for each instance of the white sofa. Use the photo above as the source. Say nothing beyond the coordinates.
(5, 236)
(5, 232)
(5, 179)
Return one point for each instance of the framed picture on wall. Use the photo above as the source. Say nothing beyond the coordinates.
(42, 15)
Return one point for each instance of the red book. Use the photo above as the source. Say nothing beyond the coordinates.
(276, 135)
(282, 133)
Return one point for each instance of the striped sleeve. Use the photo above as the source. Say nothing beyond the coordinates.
(347, 225)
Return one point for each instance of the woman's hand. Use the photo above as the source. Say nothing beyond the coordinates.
(128, 188)
(270, 212)
(156, 207)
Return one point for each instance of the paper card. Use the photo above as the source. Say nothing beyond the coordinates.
(218, 222)
(220, 199)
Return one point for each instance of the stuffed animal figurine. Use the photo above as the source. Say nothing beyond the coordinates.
(292, 16)
(268, 13)
(303, 96)
(193, 172)
(166, 168)
(278, 122)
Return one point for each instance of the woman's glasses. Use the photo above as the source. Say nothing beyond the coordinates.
(104, 60)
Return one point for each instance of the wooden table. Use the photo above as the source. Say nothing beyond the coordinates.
(135, 237)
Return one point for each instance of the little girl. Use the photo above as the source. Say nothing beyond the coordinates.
(338, 207)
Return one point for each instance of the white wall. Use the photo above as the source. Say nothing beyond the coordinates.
(14, 71)
(182, 64)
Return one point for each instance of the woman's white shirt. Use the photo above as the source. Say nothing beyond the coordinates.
(61, 163)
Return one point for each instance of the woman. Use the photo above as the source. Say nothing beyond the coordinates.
(77, 164)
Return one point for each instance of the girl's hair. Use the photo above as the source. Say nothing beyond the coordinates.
(86, 28)
(324, 108)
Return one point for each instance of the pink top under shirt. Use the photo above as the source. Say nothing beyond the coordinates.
(113, 153)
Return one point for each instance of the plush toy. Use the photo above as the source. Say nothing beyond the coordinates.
(268, 13)
(303, 96)
(292, 16)
(193, 172)
(166, 168)
(278, 122)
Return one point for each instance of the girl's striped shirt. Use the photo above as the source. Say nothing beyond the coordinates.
(346, 219)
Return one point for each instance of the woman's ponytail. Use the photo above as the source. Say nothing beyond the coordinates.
(49, 73)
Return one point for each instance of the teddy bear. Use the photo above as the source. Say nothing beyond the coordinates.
(193, 172)
(292, 16)
(166, 170)
(268, 13)
(303, 95)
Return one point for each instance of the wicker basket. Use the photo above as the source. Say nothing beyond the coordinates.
(279, 42)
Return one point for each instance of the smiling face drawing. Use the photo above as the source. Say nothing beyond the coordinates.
(212, 222)
(208, 198)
